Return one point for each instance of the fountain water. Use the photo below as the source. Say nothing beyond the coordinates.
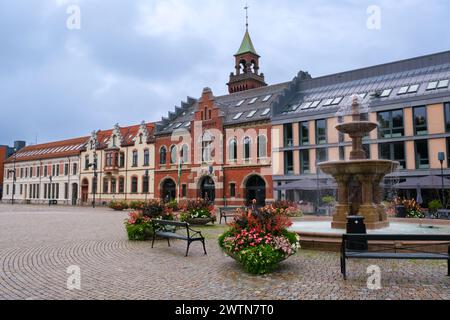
(359, 190)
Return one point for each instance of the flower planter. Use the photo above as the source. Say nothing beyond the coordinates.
(199, 221)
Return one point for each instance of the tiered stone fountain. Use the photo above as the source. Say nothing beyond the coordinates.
(359, 190)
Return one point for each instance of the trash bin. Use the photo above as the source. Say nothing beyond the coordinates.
(356, 225)
(400, 211)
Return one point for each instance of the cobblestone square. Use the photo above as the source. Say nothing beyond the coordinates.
(38, 244)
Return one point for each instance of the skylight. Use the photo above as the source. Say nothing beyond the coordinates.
(315, 104)
(336, 101)
(187, 124)
(432, 85)
(386, 93)
(237, 116)
(265, 112)
(266, 98)
(413, 88)
(240, 103)
(253, 100)
(443, 84)
(306, 105)
(177, 125)
(251, 114)
(403, 90)
(328, 102)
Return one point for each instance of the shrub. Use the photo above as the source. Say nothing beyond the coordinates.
(413, 209)
(137, 205)
(261, 259)
(118, 205)
(328, 200)
(434, 206)
(199, 208)
(289, 208)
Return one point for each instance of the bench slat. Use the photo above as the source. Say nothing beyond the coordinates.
(394, 256)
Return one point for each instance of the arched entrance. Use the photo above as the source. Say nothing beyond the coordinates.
(169, 190)
(74, 194)
(85, 191)
(208, 189)
(256, 190)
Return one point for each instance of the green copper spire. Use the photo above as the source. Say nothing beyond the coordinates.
(246, 45)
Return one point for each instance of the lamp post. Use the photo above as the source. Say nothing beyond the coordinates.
(94, 182)
(441, 157)
(13, 171)
(50, 188)
(147, 184)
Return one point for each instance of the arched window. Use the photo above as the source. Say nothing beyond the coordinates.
(247, 148)
(173, 154)
(134, 185)
(185, 154)
(162, 155)
(121, 185)
(114, 141)
(262, 146)
(233, 149)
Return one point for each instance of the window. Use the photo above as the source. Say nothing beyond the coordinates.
(288, 162)
(113, 185)
(321, 131)
(233, 150)
(66, 169)
(253, 101)
(251, 114)
(414, 88)
(432, 85)
(105, 185)
(420, 121)
(341, 153)
(422, 158)
(391, 124)
(46, 170)
(121, 185)
(265, 112)
(173, 155)
(163, 155)
(74, 169)
(145, 184)
(448, 152)
(240, 103)
(135, 158)
(185, 153)
(207, 142)
(366, 148)
(146, 157)
(109, 159)
(266, 98)
(403, 90)
(38, 171)
(262, 147)
(57, 170)
(66, 191)
(315, 104)
(328, 102)
(184, 190)
(94, 185)
(443, 84)
(288, 135)
(386, 93)
(247, 143)
(321, 155)
(232, 190)
(304, 162)
(447, 116)
(336, 101)
(304, 133)
(121, 160)
(140, 139)
(134, 185)
(237, 116)
(86, 164)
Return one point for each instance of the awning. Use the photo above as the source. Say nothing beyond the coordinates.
(429, 182)
(308, 185)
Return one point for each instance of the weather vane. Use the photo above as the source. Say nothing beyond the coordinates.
(246, 14)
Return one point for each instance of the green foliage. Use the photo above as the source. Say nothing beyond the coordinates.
(260, 260)
(434, 206)
(137, 205)
(139, 232)
(328, 200)
(291, 236)
(118, 205)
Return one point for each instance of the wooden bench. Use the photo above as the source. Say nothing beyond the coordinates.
(386, 248)
(168, 230)
(228, 212)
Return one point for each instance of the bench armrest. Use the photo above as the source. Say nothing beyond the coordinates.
(195, 232)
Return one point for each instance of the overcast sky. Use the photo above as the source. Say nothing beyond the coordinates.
(134, 60)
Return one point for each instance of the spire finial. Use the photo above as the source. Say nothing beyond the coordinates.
(246, 15)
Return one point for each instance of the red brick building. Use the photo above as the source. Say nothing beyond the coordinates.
(219, 148)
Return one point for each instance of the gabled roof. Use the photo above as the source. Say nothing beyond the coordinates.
(246, 45)
(51, 150)
(128, 134)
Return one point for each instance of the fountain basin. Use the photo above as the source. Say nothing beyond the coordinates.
(353, 167)
(360, 127)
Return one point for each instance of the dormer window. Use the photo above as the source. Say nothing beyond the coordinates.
(140, 139)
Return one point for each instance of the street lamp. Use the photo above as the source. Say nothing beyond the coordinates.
(94, 182)
(50, 188)
(441, 157)
(14, 176)
(147, 184)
